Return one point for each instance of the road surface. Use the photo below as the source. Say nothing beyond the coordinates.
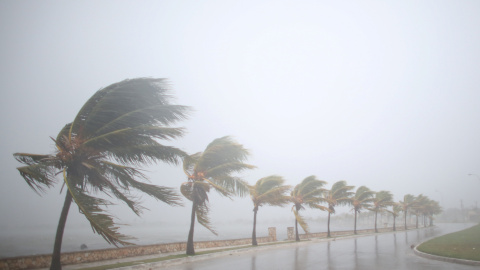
(381, 251)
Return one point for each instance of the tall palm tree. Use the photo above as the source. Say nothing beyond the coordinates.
(396, 209)
(432, 209)
(340, 194)
(421, 207)
(114, 131)
(381, 201)
(309, 192)
(269, 190)
(407, 203)
(213, 169)
(361, 200)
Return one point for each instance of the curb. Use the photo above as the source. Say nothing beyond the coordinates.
(445, 259)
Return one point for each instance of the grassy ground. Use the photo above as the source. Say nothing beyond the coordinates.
(461, 245)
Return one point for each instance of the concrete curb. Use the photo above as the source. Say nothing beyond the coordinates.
(444, 259)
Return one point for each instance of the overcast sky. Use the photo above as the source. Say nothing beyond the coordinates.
(382, 94)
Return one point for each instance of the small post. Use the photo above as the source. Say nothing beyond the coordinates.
(290, 234)
(272, 234)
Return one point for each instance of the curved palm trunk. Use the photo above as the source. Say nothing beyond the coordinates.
(355, 224)
(328, 225)
(405, 219)
(254, 233)
(190, 247)
(376, 222)
(57, 247)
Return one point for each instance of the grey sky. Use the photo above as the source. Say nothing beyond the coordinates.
(382, 94)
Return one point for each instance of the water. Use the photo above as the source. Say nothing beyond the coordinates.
(27, 240)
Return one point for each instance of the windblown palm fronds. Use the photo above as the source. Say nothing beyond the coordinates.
(117, 129)
(381, 201)
(213, 169)
(309, 192)
(267, 191)
(361, 200)
(340, 194)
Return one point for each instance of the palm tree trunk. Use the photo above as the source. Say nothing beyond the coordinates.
(57, 247)
(254, 233)
(376, 222)
(394, 217)
(405, 219)
(416, 221)
(355, 224)
(190, 247)
(328, 225)
(297, 237)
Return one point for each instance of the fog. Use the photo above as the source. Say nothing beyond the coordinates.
(376, 93)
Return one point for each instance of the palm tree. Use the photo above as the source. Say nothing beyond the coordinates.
(340, 194)
(433, 208)
(407, 203)
(381, 201)
(396, 209)
(116, 129)
(270, 191)
(212, 168)
(361, 200)
(418, 208)
(308, 192)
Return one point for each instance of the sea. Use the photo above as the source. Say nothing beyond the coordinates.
(27, 240)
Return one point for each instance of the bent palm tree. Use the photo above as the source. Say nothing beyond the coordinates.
(381, 201)
(407, 203)
(209, 169)
(270, 191)
(116, 129)
(396, 209)
(308, 192)
(340, 194)
(361, 200)
(421, 203)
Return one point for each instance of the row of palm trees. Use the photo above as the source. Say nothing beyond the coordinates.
(119, 128)
(310, 192)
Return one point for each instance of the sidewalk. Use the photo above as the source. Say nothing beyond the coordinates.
(142, 262)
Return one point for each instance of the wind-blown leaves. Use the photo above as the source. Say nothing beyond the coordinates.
(213, 169)
(121, 123)
(309, 192)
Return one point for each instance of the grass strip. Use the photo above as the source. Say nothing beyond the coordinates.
(461, 245)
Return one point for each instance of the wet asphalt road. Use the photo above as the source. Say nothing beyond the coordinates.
(381, 251)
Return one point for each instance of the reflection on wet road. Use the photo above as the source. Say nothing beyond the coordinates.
(381, 251)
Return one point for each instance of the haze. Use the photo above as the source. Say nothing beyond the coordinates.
(382, 94)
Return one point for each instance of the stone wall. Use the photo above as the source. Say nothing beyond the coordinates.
(43, 261)
(291, 232)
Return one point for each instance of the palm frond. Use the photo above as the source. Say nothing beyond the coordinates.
(164, 194)
(201, 212)
(234, 185)
(220, 151)
(101, 223)
(301, 221)
(227, 169)
(137, 135)
(187, 190)
(145, 154)
(121, 104)
(40, 171)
